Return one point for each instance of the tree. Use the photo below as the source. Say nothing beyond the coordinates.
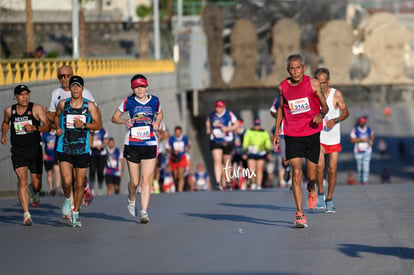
(143, 12)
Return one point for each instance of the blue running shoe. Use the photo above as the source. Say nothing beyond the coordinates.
(330, 208)
(76, 222)
(321, 201)
(66, 209)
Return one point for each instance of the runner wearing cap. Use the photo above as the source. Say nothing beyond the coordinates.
(27, 120)
(141, 144)
(63, 92)
(363, 138)
(220, 125)
(256, 147)
(74, 119)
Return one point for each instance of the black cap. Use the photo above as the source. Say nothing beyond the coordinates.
(76, 80)
(20, 89)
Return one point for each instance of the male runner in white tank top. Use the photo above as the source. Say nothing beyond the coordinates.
(330, 139)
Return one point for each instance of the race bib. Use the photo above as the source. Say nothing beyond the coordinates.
(70, 120)
(252, 149)
(112, 163)
(97, 142)
(179, 146)
(141, 132)
(19, 127)
(218, 133)
(298, 106)
(362, 146)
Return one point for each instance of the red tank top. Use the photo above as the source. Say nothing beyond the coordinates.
(301, 104)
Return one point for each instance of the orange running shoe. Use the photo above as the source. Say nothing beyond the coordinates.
(300, 221)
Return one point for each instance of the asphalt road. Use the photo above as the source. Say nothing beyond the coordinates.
(238, 232)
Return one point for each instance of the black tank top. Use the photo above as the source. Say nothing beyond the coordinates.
(18, 135)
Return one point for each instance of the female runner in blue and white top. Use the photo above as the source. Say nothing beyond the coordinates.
(141, 149)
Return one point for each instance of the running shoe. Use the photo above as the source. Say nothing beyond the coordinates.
(27, 219)
(321, 201)
(66, 209)
(312, 200)
(76, 222)
(300, 221)
(34, 196)
(87, 195)
(330, 208)
(131, 208)
(144, 216)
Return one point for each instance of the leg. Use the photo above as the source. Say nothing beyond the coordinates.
(133, 169)
(218, 164)
(365, 167)
(358, 160)
(251, 165)
(332, 171)
(57, 176)
(66, 169)
(23, 194)
(320, 171)
(50, 179)
(100, 170)
(92, 171)
(79, 186)
(147, 170)
(260, 163)
(297, 183)
(109, 187)
(180, 175)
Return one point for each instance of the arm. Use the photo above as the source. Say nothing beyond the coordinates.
(316, 86)
(233, 127)
(59, 131)
(279, 117)
(96, 123)
(116, 118)
(340, 103)
(5, 125)
(208, 126)
(40, 114)
(158, 118)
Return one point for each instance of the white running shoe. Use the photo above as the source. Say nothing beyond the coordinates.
(144, 216)
(131, 208)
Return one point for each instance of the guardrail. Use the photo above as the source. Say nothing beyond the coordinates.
(30, 70)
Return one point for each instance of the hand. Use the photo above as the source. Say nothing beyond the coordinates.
(318, 119)
(78, 123)
(59, 132)
(4, 140)
(29, 127)
(129, 123)
(276, 140)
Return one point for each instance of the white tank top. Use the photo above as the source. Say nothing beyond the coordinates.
(331, 136)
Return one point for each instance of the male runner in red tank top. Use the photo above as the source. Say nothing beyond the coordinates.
(302, 108)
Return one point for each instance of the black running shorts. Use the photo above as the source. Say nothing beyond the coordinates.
(303, 147)
(227, 147)
(78, 161)
(137, 153)
(23, 157)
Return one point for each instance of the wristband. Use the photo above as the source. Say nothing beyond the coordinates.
(322, 113)
(84, 126)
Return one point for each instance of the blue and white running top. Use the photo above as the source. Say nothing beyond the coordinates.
(227, 118)
(144, 115)
(74, 141)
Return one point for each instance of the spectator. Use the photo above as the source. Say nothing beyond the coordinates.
(50, 161)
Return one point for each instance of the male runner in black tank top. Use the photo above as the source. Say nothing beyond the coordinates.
(26, 120)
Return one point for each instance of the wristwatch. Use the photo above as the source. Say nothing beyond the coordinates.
(336, 120)
(84, 126)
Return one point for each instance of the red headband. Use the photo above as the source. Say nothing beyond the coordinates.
(139, 82)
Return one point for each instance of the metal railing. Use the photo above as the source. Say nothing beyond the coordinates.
(30, 70)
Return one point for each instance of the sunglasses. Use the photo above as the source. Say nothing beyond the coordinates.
(66, 76)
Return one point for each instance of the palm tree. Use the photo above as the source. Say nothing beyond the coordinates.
(143, 12)
(29, 27)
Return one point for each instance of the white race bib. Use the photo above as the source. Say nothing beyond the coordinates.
(298, 106)
(97, 142)
(141, 132)
(362, 146)
(218, 133)
(178, 146)
(19, 126)
(252, 149)
(70, 120)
